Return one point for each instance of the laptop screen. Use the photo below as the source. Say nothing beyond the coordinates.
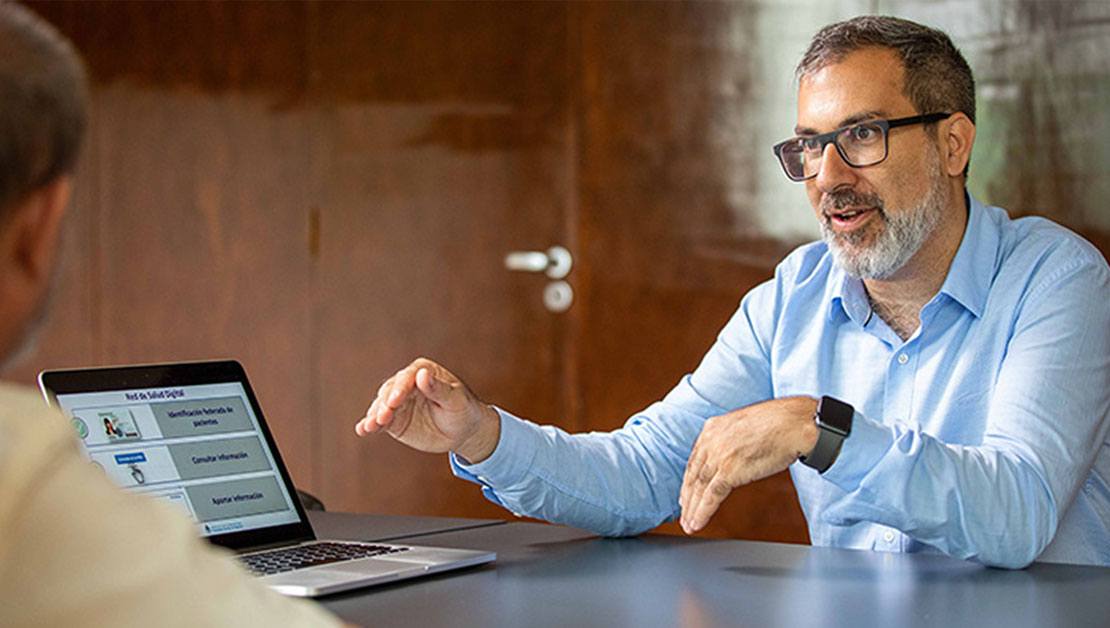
(198, 447)
(190, 434)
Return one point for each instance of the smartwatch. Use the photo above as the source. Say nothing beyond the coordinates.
(834, 424)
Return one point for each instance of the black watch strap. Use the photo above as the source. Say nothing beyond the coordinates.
(824, 452)
(834, 423)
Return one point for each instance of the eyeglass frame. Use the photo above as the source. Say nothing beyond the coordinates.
(830, 138)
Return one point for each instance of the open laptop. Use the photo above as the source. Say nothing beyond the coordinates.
(193, 434)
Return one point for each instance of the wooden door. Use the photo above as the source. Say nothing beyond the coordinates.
(440, 141)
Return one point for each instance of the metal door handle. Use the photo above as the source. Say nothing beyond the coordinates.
(556, 262)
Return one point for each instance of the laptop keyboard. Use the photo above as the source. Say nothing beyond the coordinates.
(302, 556)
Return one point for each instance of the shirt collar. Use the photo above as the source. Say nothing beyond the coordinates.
(972, 270)
(968, 281)
(848, 296)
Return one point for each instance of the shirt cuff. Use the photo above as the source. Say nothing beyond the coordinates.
(861, 452)
(509, 461)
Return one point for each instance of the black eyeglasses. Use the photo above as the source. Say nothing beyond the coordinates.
(859, 145)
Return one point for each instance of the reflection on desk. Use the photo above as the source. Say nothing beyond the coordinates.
(557, 576)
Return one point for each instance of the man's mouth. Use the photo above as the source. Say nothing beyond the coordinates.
(851, 218)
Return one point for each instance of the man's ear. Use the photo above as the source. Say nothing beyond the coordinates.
(959, 136)
(30, 236)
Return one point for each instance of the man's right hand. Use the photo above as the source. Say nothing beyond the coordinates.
(427, 408)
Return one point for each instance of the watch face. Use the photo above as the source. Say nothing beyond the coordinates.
(835, 414)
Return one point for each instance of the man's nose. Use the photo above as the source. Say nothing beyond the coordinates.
(834, 171)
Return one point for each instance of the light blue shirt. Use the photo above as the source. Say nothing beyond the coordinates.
(982, 436)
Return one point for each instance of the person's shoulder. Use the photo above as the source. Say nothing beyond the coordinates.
(33, 437)
(808, 264)
(17, 400)
(1042, 249)
(21, 396)
(25, 417)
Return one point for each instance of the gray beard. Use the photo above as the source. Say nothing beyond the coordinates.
(900, 238)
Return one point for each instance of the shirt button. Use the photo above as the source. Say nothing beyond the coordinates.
(888, 536)
(903, 358)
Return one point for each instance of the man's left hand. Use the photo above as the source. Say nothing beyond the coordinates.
(741, 447)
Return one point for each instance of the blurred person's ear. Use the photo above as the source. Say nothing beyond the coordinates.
(29, 233)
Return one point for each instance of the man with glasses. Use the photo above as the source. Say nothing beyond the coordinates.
(935, 375)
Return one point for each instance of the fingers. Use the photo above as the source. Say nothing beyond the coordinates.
(699, 475)
(400, 418)
(689, 479)
(395, 395)
(372, 422)
(433, 388)
(391, 395)
(707, 504)
(704, 487)
(706, 481)
(403, 383)
(368, 424)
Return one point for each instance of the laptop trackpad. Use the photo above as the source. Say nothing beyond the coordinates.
(324, 577)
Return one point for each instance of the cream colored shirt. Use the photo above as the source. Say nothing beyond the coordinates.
(76, 550)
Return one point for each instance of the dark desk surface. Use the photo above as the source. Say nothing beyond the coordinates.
(347, 526)
(556, 576)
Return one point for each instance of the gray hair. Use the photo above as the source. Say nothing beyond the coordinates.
(43, 104)
(937, 77)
